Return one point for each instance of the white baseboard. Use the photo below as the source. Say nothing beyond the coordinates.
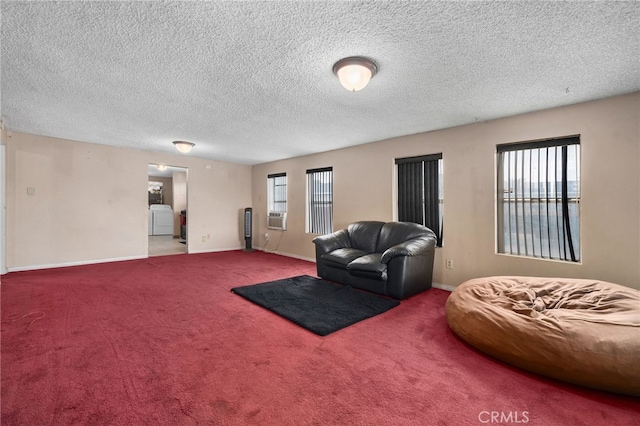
(434, 285)
(78, 263)
(308, 259)
(215, 250)
(120, 259)
(443, 286)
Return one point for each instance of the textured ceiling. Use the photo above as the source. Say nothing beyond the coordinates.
(252, 82)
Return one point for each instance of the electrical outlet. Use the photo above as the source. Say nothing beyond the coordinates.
(204, 238)
(266, 236)
(449, 264)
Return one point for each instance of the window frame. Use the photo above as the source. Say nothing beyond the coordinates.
(430, 191)
(272, 185)
(566, 227)
(318, 220)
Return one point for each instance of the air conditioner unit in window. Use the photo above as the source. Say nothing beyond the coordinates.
(277, 220)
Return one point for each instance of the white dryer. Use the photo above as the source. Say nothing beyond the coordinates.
(161, 219)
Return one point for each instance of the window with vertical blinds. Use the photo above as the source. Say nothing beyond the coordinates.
(539, 199)
(420, 198)
(277, 192)
(320, 200)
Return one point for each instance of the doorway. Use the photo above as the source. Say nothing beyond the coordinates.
(3, 208)
(167, 203)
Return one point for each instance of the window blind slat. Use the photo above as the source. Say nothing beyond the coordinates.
(547, 186)
(432, 200)
(510, 191)
(558, 223)
(530, 200)
(517, 205)
(565, 203)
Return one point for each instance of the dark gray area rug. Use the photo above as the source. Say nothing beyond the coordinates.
(319, 306)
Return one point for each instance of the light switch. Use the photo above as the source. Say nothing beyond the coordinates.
(31, 191)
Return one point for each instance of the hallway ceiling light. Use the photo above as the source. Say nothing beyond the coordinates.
(183, 146)
(354, 72)
(161, 167)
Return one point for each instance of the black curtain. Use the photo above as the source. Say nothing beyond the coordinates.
(432, 200)
(418, 192)
(410, 199)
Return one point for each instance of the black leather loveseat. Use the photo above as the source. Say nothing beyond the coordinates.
(393, 259)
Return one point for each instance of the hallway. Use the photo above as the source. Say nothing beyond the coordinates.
(161, 245)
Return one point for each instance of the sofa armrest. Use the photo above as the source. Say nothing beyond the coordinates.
(330, 242)
(415, 247)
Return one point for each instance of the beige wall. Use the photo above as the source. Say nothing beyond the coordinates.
(364, 182)
(3, 225)
(90, 201)
(179, 190)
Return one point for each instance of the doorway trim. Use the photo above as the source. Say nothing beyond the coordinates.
(183, 204)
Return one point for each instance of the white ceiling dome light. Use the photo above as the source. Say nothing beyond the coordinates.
(184, 147)
(354, 72)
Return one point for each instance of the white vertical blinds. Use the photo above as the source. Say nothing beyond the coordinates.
(539, 199)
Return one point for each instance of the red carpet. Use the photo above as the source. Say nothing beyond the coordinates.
(163, 341)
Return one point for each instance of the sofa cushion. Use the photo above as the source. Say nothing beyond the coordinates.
(364, 235)
(330, 242)
(368, 266)
(340, 258)
(394, 233)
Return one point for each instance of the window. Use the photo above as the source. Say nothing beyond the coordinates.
(539, 199)
(277, 192)
(155, 192)
(320, 200)
(420, 192)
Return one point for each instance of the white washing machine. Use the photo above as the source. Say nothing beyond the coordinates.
(161, 217)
